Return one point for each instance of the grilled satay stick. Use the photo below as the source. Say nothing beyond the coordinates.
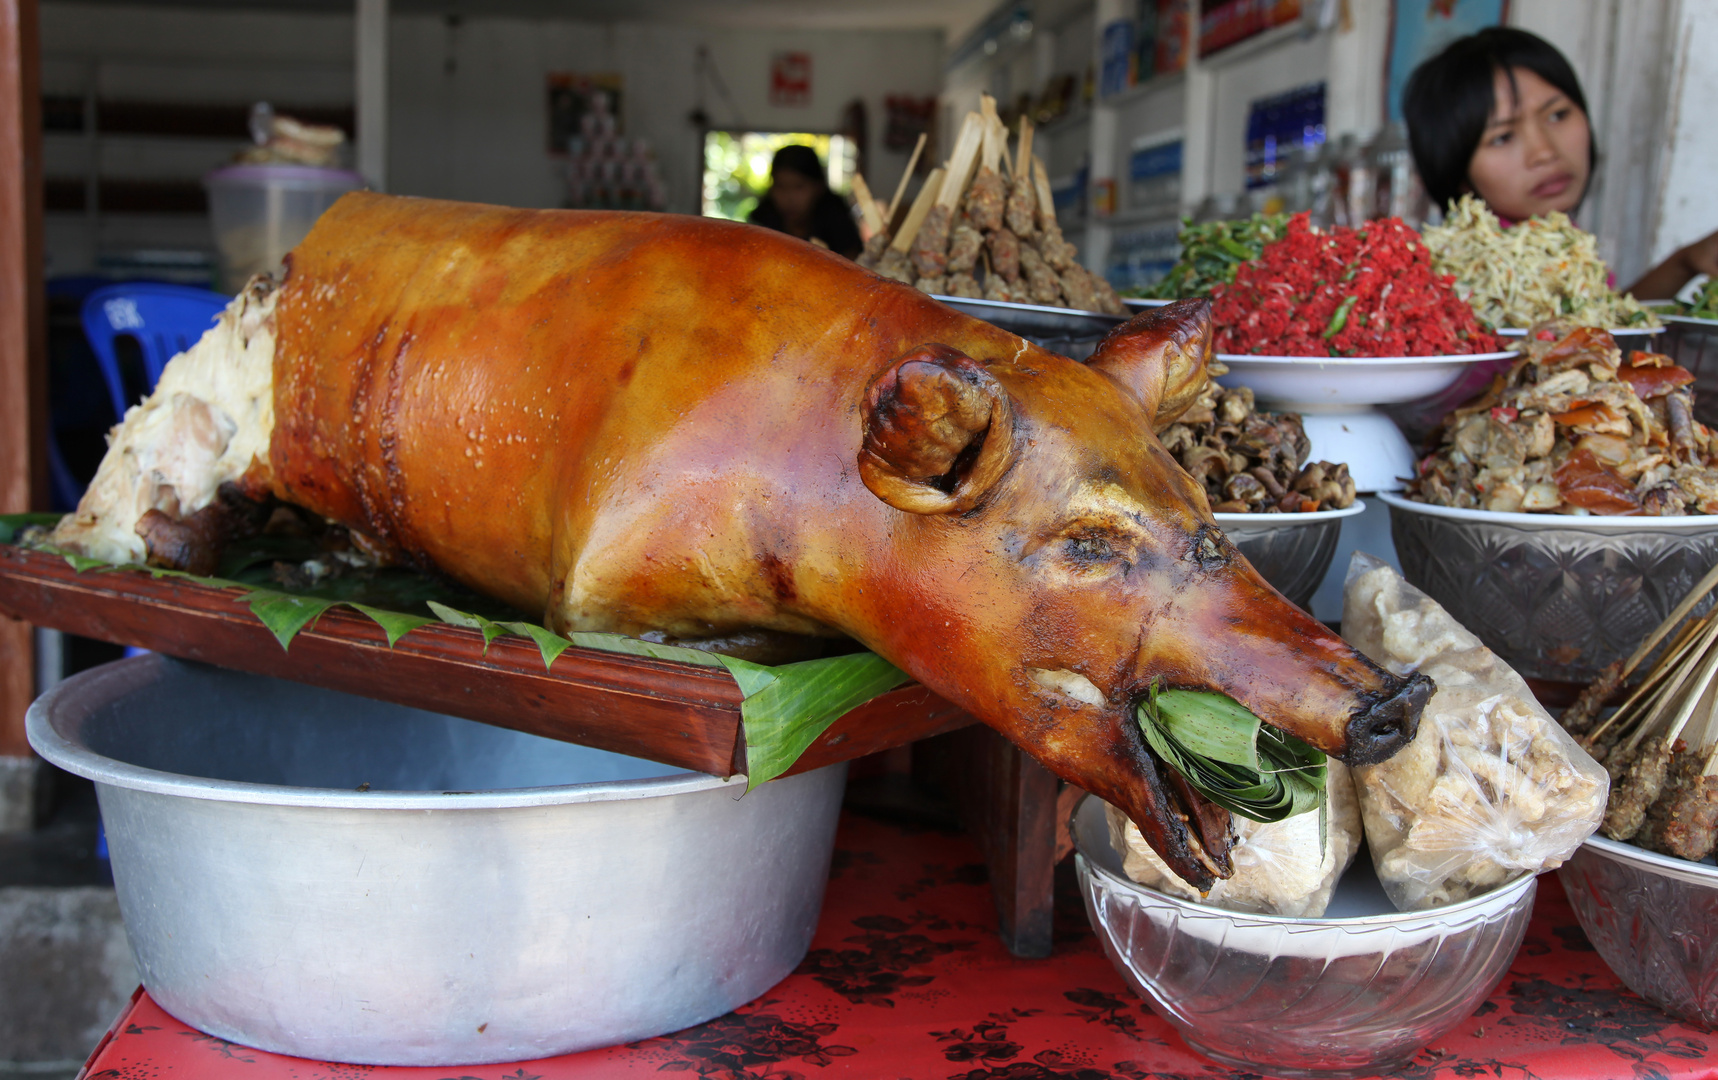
(1642, 785)
(1654, 682)
(1577, 717)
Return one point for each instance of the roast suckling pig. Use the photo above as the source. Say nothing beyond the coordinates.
(654, 423)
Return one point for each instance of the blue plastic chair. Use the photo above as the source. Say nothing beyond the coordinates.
(165, 320)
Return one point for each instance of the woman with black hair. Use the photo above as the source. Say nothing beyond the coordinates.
(1499, 114)
(800, 203)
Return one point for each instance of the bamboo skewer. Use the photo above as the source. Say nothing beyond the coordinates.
(868, 208)
(1655, 680)
(921, 207)
(1041, 185)
(961, 163)
(901, 188)
(1695, 595)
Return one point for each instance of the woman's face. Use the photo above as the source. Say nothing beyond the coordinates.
(794, 195)
(1534, 156)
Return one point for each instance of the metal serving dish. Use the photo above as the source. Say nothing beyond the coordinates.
(1654, 919)
(1355, 993)
(1291, 551)
(1066, 331)
(323, 875)
(1556, 596)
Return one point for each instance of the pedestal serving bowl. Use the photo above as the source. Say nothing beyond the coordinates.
(327, 876)
(1556, 596)
(1654, 919)
(1352, 994)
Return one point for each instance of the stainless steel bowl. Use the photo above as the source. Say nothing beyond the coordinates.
(1291, 551)
(1654, 919)
(1556, 597)
(318, 874)
(1355, 993)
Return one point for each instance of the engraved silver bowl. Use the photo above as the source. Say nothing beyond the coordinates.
(1291, 551)
(1557, 597)
(1355, 993)
(1654, 919)
(1693, 343)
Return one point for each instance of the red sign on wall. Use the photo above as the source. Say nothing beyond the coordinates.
(790, 78)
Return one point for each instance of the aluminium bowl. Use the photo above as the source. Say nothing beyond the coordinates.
(1291, 551)
(336, 878)
(1654, 919)
(1557, 596)
(1355, 993)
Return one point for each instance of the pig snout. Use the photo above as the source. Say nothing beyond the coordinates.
(1378, 730)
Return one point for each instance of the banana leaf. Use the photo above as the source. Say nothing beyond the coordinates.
(1232, 758)
(784, 708)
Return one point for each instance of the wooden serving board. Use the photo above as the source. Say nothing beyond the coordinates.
(663, 710)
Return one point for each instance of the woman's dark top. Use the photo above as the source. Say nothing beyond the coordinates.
(830, 222)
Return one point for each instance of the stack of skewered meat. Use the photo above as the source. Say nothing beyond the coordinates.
(1661, 744)
(983, 227)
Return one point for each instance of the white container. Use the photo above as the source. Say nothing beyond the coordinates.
(261, 212)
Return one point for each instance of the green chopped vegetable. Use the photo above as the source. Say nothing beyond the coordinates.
(1340, 319)
(1232, 758)
(1212, 250)
(1705, 305)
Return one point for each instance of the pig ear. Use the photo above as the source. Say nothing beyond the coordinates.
(1160, 356)
(939, 432)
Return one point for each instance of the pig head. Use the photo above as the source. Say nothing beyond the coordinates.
(1061, 562)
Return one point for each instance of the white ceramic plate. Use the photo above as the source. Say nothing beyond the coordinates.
(1595, 523)
(1621, 331)
(1241, 523)
(1333, 383)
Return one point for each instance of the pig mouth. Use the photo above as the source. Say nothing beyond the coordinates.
(1381, 727)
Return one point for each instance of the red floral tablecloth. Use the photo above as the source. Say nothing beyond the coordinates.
(907, 979)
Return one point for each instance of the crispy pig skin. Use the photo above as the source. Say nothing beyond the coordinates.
(635, 423)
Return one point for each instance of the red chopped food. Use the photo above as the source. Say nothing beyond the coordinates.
(1369, 291)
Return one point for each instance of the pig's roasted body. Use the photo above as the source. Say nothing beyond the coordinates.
(643, 423)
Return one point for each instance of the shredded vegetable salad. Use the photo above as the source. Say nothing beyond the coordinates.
(1367, 291)
(1538, 269)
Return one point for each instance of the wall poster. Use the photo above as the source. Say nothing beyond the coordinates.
(572, 97)
(1419, 30)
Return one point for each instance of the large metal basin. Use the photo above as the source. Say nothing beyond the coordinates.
(318, 874)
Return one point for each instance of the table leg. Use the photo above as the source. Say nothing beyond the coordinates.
(1008, 802)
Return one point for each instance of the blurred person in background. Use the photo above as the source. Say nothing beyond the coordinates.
(800, 203)
(1500, 115)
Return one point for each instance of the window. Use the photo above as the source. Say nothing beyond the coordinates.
(737, 167)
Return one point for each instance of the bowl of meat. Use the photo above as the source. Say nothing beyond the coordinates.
(338, 878)
(1567, 509)
(1281, 509)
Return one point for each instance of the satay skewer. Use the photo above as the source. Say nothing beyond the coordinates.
(906, 174)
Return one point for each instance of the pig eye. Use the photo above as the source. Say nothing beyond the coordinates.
(1092, 548)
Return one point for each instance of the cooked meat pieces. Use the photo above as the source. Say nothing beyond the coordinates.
(896, 266)
(984, 200)
(930, 247)
(1004, 254)
(963, 285)
(1043, 286)
(963, 249)
(1021, 213)
(1573, 427)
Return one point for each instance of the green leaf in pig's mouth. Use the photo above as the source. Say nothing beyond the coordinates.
(1231, 757)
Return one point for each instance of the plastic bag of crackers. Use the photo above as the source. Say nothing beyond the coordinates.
(1491, 787)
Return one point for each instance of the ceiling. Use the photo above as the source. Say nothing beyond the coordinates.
(954, 17)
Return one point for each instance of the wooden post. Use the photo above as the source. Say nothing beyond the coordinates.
(23, 364)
